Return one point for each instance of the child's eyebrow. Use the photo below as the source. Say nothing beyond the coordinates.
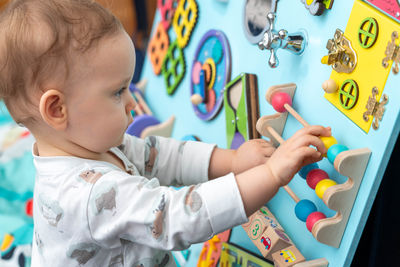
(127, 80)
(123, 82)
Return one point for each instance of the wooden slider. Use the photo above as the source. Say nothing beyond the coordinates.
(296, 115)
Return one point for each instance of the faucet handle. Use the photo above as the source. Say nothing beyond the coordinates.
(273, 40)
(273, 59)
(271, 19)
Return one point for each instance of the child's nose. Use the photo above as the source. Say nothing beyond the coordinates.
(131, 104)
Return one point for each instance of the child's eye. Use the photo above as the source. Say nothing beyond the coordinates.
(120, 92)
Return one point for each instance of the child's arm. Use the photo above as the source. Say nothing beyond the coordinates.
(132, 207)
(258, 185)
(172, 162)
(250, 154)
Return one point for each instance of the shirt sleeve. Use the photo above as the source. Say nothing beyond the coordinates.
(173, 162)
(125, 208)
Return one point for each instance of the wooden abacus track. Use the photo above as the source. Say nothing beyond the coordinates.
(340, 197)
(305, 210)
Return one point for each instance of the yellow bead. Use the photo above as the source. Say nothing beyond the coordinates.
(322, 186)
(328, 142)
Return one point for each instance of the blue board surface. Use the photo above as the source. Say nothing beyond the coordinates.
(308, 73)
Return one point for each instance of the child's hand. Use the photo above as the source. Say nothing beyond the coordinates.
(296, 152)
(251, 154)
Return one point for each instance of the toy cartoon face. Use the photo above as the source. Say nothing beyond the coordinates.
(266, 242)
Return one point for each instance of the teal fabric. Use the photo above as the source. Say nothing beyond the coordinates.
(4, 115)
(16, 187)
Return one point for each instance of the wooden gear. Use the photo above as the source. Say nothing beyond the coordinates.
(167, 10)
(173, 68)
(158, 48)
(184, 21)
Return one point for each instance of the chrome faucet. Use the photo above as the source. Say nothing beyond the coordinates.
(272, 40)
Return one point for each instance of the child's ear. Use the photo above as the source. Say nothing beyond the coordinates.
(53, 109)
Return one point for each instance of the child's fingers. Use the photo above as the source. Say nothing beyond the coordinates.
(267, 146)
(327, 132)
(316, 130)
(268, 151)
(307, 154)
(260, 141)
(309, 140)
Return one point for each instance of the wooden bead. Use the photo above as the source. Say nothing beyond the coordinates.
(196, 99)
(306, 169)
(335, 150)
(328, 141)
(313, 218)
(278, 101)
(304, 208)
(315, 176)
(330, 86)
(322, 186)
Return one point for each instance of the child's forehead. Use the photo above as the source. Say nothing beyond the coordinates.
(111, 57)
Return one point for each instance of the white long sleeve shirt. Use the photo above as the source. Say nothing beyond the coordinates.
(92, 213)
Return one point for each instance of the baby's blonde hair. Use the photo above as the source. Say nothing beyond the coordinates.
(36, 39)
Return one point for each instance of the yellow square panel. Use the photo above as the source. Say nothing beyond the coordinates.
(369, 71)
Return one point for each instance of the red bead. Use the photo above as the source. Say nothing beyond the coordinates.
(313, 218)
(279, 99)
(29, 207)
(314, 176)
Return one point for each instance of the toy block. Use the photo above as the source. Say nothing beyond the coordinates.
(287, 257)
(272, 240)
(259, 221)
(322, 262)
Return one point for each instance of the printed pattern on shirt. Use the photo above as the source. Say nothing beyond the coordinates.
(50, 210)
(193, 200)
(151, 152)
(90, 213)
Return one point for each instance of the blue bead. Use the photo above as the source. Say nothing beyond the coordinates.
(304, 208)
(335, 150)
(306, 169)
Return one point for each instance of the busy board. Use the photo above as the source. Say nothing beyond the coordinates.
(217, 68)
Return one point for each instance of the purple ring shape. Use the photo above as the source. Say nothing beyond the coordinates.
(227, 58)
(140, 123)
